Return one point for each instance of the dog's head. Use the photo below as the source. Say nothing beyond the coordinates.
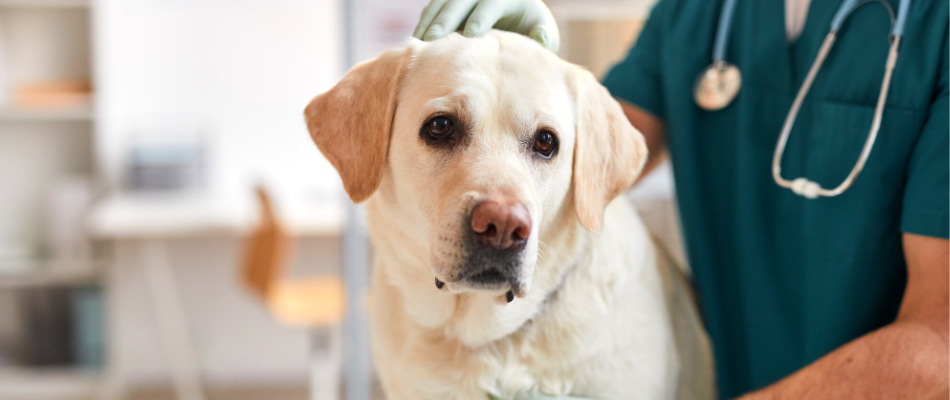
(477, 148)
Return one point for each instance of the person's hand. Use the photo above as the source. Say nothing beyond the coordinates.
(527, 17)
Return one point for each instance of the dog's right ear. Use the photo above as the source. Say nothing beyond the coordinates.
(351, 123)
(609, 153)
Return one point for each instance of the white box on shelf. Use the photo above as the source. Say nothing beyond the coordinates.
(16, 258)
(68, 202)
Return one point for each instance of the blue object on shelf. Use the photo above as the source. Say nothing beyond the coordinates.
(89, 327)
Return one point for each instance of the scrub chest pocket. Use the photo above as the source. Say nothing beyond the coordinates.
(824, 147)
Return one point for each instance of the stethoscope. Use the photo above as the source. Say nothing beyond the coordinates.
(719, 83)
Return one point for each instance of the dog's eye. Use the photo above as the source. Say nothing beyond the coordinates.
(439, 127)
(545, 143)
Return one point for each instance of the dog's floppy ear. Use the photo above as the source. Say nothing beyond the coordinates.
(608, 153)
(351, 123)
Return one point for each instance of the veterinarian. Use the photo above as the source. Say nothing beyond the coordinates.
(804, 295)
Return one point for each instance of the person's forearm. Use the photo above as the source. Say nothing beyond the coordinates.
(907, 359)
(904, 360)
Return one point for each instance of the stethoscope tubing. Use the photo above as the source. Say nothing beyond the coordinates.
(722, 31)
(810, 189)
(803, 186)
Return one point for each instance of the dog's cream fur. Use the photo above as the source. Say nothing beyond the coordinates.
(593, 317)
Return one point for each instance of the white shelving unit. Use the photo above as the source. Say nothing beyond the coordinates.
(54, 274)
(79, 114)
(42, 41)
(59, 384)
(45, 3)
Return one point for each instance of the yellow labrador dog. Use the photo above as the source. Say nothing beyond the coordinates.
(504, 265)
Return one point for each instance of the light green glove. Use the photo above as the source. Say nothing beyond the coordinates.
(527, 17)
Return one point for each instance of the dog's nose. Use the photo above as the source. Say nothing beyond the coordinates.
(499, 225)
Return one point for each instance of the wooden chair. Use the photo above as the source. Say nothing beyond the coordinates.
(317, 303)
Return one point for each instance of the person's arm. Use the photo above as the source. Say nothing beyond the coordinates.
(907, 359)
(653, 131)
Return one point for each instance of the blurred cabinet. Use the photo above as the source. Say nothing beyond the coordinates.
(598, 33)
(598, 45)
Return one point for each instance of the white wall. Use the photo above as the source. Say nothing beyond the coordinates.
(378, 25)
(244, 70)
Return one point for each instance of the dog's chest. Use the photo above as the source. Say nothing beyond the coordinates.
(610, 350)
(536, 359)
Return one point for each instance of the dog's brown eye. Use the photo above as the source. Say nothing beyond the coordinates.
(545, 143)
(439, 127)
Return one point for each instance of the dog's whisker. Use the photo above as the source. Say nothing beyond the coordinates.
(543, 249)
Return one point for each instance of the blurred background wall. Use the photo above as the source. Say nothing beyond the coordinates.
(239, 72)
(132, 134)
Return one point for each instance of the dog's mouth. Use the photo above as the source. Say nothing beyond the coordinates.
(489, 279)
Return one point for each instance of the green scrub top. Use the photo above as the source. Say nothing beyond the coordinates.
(784, 280)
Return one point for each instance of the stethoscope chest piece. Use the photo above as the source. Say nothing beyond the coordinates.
(717, 85)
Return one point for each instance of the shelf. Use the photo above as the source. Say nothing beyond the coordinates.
(53, 274)
(45, 114)
(45, 3)
(47, 383)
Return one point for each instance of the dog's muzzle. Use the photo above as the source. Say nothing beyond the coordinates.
(497, 235)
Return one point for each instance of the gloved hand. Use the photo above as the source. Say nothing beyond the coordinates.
(527, 17)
